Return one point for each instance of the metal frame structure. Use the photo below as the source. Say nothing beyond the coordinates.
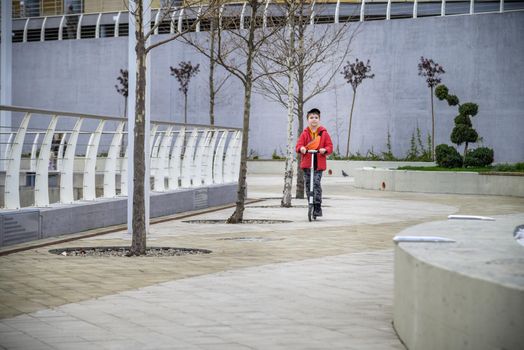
(169, 160)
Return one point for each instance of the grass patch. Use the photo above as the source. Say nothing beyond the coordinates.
(499, 168)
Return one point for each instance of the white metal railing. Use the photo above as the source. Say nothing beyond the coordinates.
(182, 155)
(49, 25)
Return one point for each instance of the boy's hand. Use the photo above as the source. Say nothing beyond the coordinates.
(322, 150)
(303, 150)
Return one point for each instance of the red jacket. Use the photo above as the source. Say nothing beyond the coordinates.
(325, 142)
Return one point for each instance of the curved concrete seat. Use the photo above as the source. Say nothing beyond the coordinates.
(463, 295)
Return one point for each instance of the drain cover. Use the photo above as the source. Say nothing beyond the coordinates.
(250, 239)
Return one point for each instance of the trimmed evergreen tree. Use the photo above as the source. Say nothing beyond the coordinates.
(463, 132)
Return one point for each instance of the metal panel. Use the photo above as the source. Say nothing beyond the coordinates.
(12, 175)
(238, 157)
(66, 176)
(208, 170)
(218, 162)
(42, 166)
(8, 146)
(188, 168)
(110, 163)
(34, 148)
(123, 172)
(60, 154)
(162, 163)
(229, 164)
(90, 163)
(18, 227)
(199, 156)
(175, 161)
(154, 151)
(200, 199)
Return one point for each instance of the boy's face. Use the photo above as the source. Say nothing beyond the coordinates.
(313, 120)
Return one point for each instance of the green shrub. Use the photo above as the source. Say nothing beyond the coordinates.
(463, 119)
(447, 156)
(441, 92)
(276, 156)
(469, 108)
(479, 157)
(453, 100)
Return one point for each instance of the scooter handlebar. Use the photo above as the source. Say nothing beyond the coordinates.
(312, 151)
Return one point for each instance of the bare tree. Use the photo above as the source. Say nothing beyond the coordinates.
(214, 86)
(184, 74)
(237, 45)
(431, 70)
(355, 73)
(142, 49)
(123, 87)
(303, 52)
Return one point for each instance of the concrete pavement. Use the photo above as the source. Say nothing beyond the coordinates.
(298, 285)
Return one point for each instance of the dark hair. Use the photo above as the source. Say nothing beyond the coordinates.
(313, 111)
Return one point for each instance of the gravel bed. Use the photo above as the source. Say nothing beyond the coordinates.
(122, 251)
(300, 206)
(249, 221)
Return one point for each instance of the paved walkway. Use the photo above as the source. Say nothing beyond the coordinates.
(300, 285)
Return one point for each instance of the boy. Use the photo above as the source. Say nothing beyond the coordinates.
(315, 136)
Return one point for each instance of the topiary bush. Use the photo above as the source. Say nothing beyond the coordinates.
(447, 156)
(463, 132)
(480, 157)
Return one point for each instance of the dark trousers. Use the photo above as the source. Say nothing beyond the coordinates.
(317, 188)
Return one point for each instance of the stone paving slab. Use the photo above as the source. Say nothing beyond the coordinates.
(340, 302)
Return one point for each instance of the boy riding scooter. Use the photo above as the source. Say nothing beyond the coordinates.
(314, 137)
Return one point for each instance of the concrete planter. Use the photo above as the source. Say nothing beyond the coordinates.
(276, 167)
(439, 182)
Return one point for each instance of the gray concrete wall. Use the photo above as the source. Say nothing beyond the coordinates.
(481, 54)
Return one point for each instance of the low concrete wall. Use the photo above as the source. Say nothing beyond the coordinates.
(61, 219)
(276, 167)
(467, 295)
(439, 182)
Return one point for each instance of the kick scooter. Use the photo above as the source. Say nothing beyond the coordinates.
(311, 205)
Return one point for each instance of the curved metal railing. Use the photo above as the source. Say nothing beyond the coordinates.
(38, 25)
(56, 156)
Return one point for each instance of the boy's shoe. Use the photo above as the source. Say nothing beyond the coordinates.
(317, 211)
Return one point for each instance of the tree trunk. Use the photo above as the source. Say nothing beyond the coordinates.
(185, 108)
(465, 154)
(138, 245)
(299, 194)
(212, 73)
(432, 128)
(125, 107)
(238, 215)
(350, 120)
(290, 152)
